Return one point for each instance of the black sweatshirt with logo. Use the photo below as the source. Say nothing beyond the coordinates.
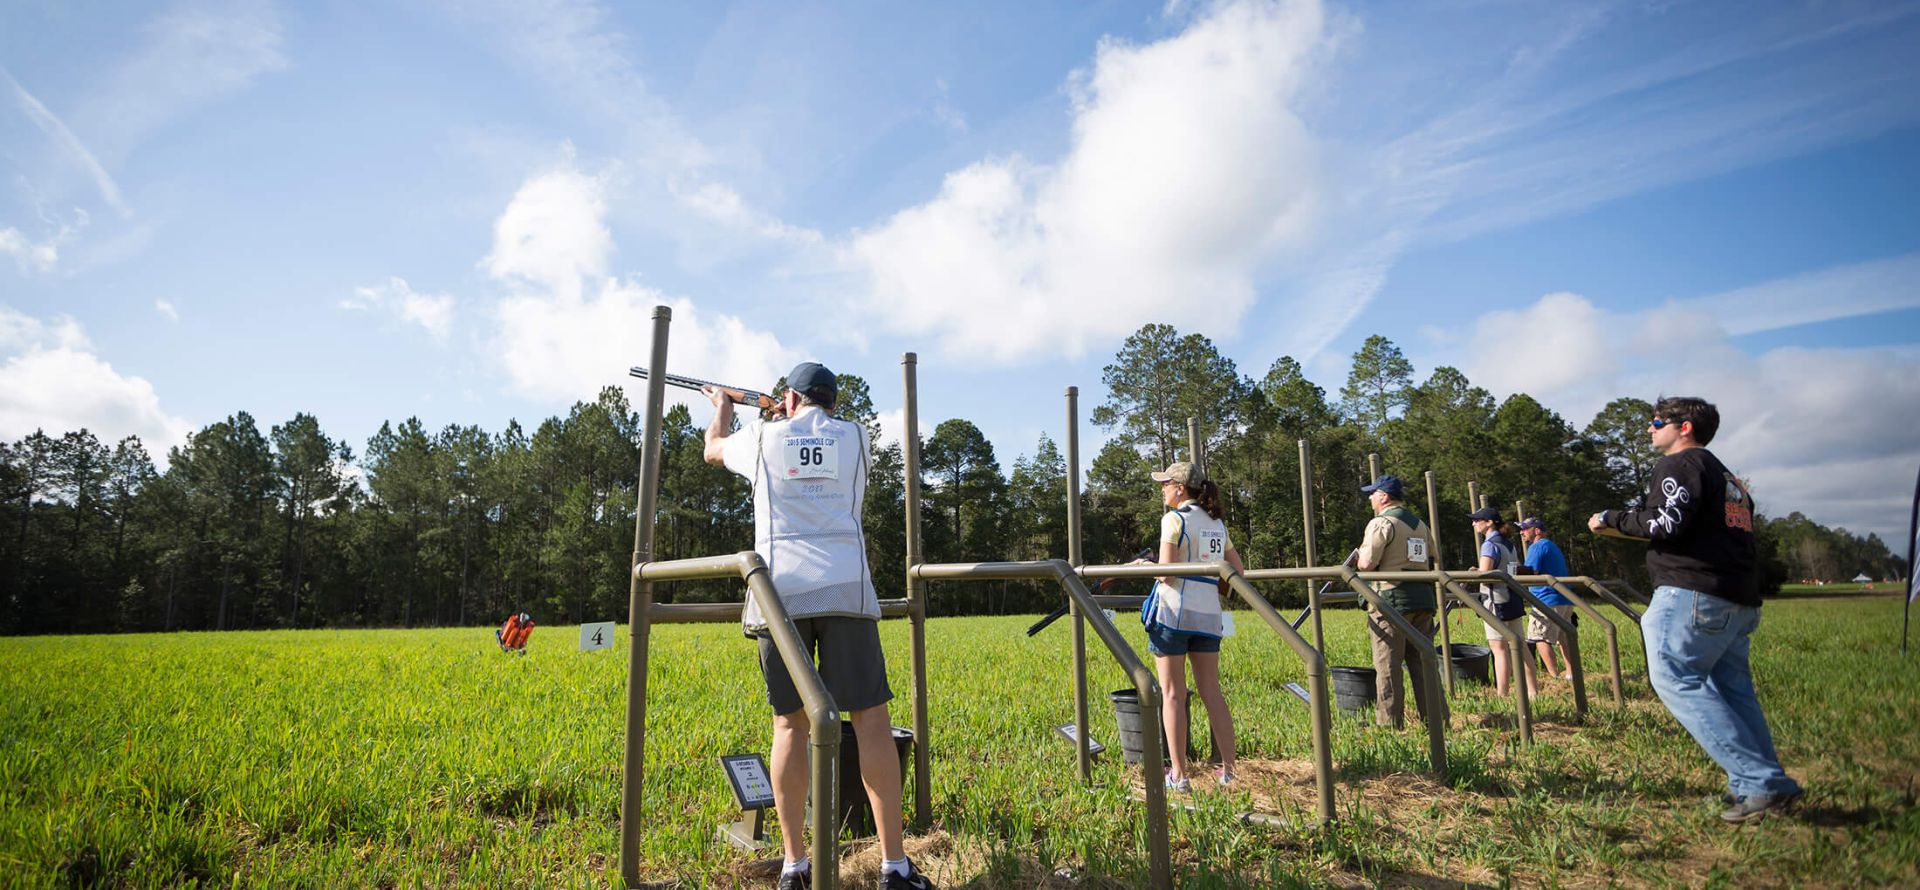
(1698, 520)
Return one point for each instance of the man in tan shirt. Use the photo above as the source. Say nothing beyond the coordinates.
(1396, 539)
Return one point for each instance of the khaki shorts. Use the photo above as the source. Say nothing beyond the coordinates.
(1540, 630)
(850, 662)
(1517, 625)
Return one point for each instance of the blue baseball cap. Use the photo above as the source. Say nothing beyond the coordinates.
(1389, 484)
(815, 380)
(1487, 513)
(1532, 522)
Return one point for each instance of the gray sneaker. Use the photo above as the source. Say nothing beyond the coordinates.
(1757, 806)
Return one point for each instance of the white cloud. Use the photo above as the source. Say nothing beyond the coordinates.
(51, 380)
(434, 312)
(723, 205)
(166, 309)
(195, 53)
(1187, 168)
(893, 426)
(189, 55)
(1556, 343)
(1858, 289)
(29, 256)
(947, 116)
(568, 328)
(1817, 430)
(1476, 119)
(553, 234)
(71, 145)
(572, 47)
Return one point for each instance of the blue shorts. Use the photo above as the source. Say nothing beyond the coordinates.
(1163, 641)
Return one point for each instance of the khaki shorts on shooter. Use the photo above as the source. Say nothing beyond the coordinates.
(1517, 625)
(849, 657)
(1540, 630)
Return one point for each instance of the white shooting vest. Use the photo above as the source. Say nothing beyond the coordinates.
(1191, 603)
(809, 482)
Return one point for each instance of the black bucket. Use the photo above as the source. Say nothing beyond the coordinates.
(1126, 714)
(1353, 688)
(1472, 662)
(855, 814)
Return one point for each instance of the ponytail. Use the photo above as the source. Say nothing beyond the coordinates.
(1208, 497)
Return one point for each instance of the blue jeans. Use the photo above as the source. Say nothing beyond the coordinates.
(1697, 646)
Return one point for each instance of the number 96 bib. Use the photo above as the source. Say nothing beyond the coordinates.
(812, 457)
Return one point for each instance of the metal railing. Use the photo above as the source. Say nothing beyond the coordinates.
(1159, 854)
(1560, 586)
(823, 719)
(1436, 716)
(1567, 630)
(1314, 661)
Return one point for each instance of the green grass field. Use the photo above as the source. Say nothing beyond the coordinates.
(428, 758)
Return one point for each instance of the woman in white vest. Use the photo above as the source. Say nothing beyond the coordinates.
(1183, 615)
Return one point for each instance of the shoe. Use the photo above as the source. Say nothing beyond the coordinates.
(1225, 777)
(797, 880)
(1757, 806)
(912, 880)
(1181, 785)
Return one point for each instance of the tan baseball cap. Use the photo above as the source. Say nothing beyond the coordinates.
(1182, 472)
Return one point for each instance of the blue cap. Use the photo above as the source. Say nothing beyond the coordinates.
(1389, 484)
(1487, 513)
(815, 380)
(1532, 522)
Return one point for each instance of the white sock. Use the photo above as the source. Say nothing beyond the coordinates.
(902, 866)
(789, 867)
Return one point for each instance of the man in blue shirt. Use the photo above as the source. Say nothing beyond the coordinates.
(1544, 558)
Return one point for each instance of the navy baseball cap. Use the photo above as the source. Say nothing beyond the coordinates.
(813, 379)
(1487, 513)
(1389, 484)
(1532, 522)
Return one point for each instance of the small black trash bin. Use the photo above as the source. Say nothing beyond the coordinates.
(1354, 690)
(1126, 715)
(1472, 662)
(856, 816)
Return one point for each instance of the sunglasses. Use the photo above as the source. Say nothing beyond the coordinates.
(1660, 423)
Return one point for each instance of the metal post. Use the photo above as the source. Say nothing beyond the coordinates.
(639, 598)
(1313, 553)
(1195, 452)
(916, 595)
(1522, 707)
(1082, 743)
(1439, 601)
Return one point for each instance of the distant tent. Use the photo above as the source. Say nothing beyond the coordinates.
(1862, 577)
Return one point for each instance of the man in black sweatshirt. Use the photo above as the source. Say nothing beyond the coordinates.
(1698, 520)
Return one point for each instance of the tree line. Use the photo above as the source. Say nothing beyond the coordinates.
(291, 528)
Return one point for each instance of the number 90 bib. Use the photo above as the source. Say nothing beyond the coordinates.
(812, 457)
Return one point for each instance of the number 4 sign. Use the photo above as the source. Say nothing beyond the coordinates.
(596, 636)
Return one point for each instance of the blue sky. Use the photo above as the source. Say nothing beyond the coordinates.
(465, 212)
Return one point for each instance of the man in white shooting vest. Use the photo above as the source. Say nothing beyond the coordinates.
(809, 474)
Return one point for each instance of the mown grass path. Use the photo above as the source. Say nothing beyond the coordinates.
(428, 758)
